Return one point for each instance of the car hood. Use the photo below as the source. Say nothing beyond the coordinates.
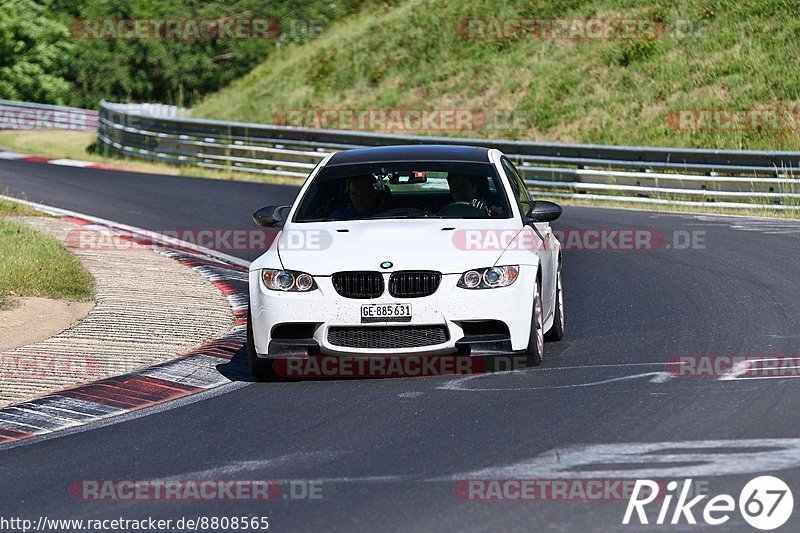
(433, 244)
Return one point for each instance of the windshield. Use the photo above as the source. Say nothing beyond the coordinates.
(404, 190)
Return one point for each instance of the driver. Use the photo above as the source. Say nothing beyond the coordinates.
(465, 189)
(365, 199)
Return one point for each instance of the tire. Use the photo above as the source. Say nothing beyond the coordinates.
(556, 331)
(533, 355)
(259, 368)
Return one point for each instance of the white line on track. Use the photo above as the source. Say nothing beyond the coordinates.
(243, 467)
(71, 163)
(11, 155)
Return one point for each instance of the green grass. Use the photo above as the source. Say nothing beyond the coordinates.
(733, 55)
(13, 208)
(34, 264)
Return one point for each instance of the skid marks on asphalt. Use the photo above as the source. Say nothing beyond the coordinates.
(766, 226)
(648, 460)
(758, 368)
(606, 461)
(655, 374)
(564, 377)
(230, 469)
(760, 225)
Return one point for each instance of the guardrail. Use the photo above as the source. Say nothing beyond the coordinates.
(28, 116)
(722, 178)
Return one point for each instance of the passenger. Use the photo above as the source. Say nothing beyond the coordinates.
(365, 199)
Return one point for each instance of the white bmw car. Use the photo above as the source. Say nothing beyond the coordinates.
(407, 250)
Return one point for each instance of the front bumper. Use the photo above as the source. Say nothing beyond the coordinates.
(454, 308)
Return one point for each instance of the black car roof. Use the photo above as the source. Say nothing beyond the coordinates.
(410, 152)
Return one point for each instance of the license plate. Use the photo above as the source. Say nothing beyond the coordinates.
(386, 313)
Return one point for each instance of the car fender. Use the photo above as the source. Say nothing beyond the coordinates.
(529, 249)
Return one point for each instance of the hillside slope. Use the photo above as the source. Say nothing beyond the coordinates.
(642, 86)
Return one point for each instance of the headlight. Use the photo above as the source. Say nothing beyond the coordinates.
(489, 278)
(287, 280)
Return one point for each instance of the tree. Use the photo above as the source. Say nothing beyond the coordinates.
(34, 53)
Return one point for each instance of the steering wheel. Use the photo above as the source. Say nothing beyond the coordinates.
(462, 209)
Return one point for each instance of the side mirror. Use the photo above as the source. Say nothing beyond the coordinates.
(271, 216)
(542, 211)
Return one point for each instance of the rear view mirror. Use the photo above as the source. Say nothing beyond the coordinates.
(271, 216)
(542, 211)
(407, 178)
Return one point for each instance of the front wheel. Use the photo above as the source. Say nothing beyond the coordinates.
(556, 331)
(533, 355)
(259, 368)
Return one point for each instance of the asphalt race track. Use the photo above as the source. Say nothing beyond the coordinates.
(390, 452)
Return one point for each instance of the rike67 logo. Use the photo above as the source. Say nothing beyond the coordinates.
(765, 502)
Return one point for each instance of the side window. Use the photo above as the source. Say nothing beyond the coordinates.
(517, 185)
